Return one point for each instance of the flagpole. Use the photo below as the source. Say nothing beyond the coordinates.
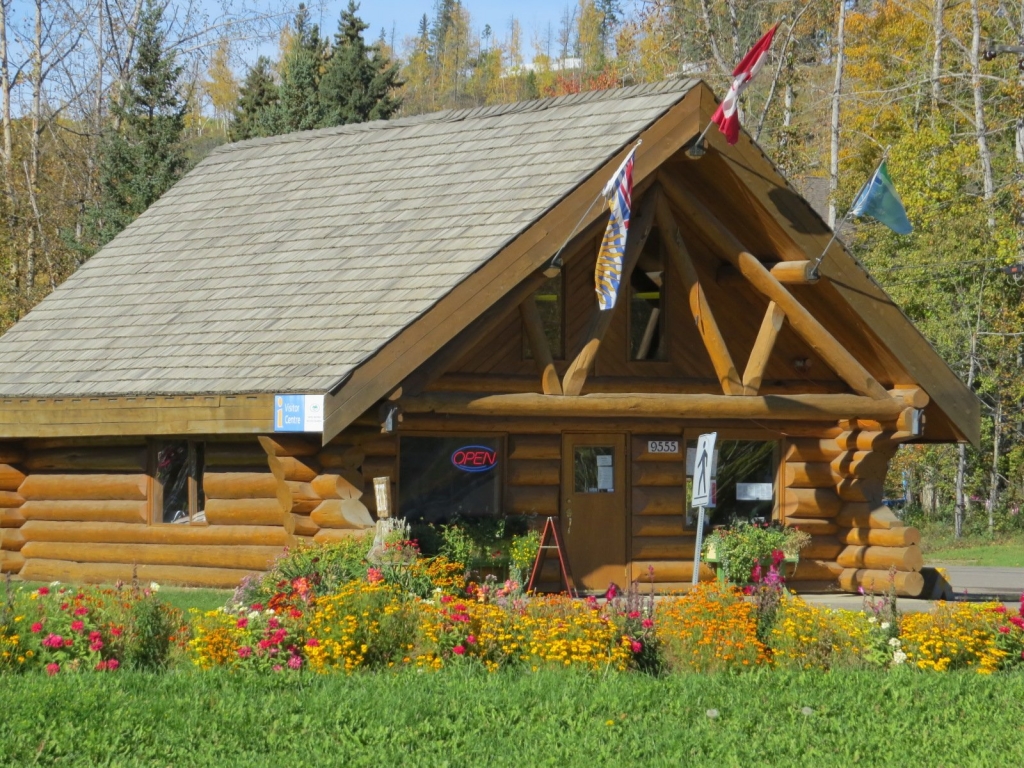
(697, 150)
(846, 218)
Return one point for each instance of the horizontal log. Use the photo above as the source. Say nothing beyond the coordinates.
(12, 539)
(336, 458)
(244, 512)
(822, 548)
(666, 525)
(10, 500)
(342, 513)
(861, 489)
(347, 484)
(803, 407)
(291, 468)
(811, 449)
(880, 537)
(882, 558)
(299, 498)
(11, 518)
(912, 397)
(111, 573)
(669, 570)
(809, 475)
(908, 584)
(303, 525)
(659, 501)
(811, 502)
(95, 487)
(382, 466)
(659, 474)
(236, 455)
(121, 458)
(289, 445)
(810, 569)
(380, 445)
(535, 447)
(532, 500)
(904, 423)
(641, 448)
(663, 547)
(861, 464)
(128, 533)
(506, 383)
(857, 440)
(11, 453)
(813, 526)
(103, 511)
(201, 555)
(10, 477)
(534, 472)
(11, 562)
(331, 535)
(240, 485)
(862, 515)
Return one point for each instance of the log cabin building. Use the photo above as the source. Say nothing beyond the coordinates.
(304, 313)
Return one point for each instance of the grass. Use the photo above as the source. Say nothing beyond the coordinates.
(183, 598)
(974, 548)
(466, 718)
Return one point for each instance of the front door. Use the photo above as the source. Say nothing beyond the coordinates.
(594, 509)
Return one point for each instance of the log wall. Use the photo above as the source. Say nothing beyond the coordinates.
(12, 539)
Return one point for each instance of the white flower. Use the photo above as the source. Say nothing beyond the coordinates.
(712, 713)
(899, 657)
(254, 614)
(154, 587)
(54, 583)
(269, 612)
(894, 642)
(885, 625)
(872, 620)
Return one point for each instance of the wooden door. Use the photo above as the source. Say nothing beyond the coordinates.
(594, 509)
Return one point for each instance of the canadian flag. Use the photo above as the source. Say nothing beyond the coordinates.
(727, 117)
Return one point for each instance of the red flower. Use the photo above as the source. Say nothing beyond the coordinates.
(312, 642)
(242, 623)
(257, 606)
(647, 623)
(43, 591)
(95, 636)
(36, 628)
(96, 645)
(777, 557)
(116, 631)
(1000, 609)
(81, 610)
(445, 599)
(471, 640)
(374, 575)
(634, 614)
(52, 669)
(68, 642)
(637, 646)
(244, 652)
(64, 606)
(612, 592)
(1004, 630)
(101, 666)
(295, 613)
(77, 625)
(459, 650)
(112, 665)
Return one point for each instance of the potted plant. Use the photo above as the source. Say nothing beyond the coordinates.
(735, 551)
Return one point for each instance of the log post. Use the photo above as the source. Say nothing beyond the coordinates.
(540, 348)
(759, 355)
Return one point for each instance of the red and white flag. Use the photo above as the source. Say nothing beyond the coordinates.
(727, 117)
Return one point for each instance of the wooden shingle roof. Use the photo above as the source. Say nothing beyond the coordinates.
(281, 264)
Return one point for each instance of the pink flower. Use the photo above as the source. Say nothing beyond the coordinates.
(77, 625)
(777, 557)
(273, 623)
(634, 614)
(43, 591)
(81, 611)
(112, 665)
(257, 607)
(647, 623)
(101, 666)
(374, 575)
(94, 636)
(1004, 630)
(64, 606)
(755, 573)
(277, 667)
(1017, 621)
(312, 642)
(612, 592)
(637, 646)
(52, 669)
(242, 623)
(295, 662)
(459, 650)
(36, 628)
(244, 652)
(96, 646)
(116, 631)
(53, 641)
(445, 599)
(295, 613)
(264, 644)
(471, 640)
(999, 609)
(68, 642)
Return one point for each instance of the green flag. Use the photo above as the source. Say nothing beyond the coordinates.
(879, 200)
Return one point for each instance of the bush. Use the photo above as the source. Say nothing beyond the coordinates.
(982, 637)
(808, 637)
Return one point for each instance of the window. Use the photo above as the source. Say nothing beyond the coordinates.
(594, 469)
(440, 478)
(743, 473)
(549, 299)
(646, 305)
(178, 492)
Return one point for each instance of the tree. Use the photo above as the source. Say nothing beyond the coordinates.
(360, 82)
(257, 98)
(142, 159)
(222, 87)
(298, 107)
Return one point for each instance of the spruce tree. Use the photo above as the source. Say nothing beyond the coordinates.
(143, 154)
(298, 106)
(360, 81)
(257, 99)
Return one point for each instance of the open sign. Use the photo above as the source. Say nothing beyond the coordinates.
(475, 458)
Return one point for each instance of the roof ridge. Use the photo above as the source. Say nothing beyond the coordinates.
(683, 85)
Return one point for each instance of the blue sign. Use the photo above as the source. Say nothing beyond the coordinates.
(298, 413)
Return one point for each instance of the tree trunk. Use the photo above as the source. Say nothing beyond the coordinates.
(980, 131)
(939, 32)
(961, 464)
(993, 492)
(33, 157)
(5, 110)
(837, 88)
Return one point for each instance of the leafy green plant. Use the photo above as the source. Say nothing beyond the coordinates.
(745, 545)
(325, 566)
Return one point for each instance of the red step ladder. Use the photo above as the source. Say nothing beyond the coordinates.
(550, 534)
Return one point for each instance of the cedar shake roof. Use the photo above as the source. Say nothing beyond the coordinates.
(281, 264)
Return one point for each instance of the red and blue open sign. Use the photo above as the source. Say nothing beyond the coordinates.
(475, 458)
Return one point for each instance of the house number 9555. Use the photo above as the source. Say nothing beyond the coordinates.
(663, 446)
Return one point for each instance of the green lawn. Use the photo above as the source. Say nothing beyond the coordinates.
(180, 597)
(1007, 555)
(467, 718)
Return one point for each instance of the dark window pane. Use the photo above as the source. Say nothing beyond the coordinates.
(744, 477)
(199, 465)
(549, 307)
(646, 316)
(445, 477)
(594, 469)
(172, 471)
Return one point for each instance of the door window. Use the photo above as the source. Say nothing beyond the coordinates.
(594, 469)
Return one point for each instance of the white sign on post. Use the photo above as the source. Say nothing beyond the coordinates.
(702, 492)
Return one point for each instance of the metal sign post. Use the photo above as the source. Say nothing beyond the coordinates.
(702, 492)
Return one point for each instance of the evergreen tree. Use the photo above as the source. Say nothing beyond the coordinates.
(298, 106)
(145, 155)
(360, 81)
(257, 99)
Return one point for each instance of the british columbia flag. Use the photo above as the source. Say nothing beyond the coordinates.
(619, 194)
